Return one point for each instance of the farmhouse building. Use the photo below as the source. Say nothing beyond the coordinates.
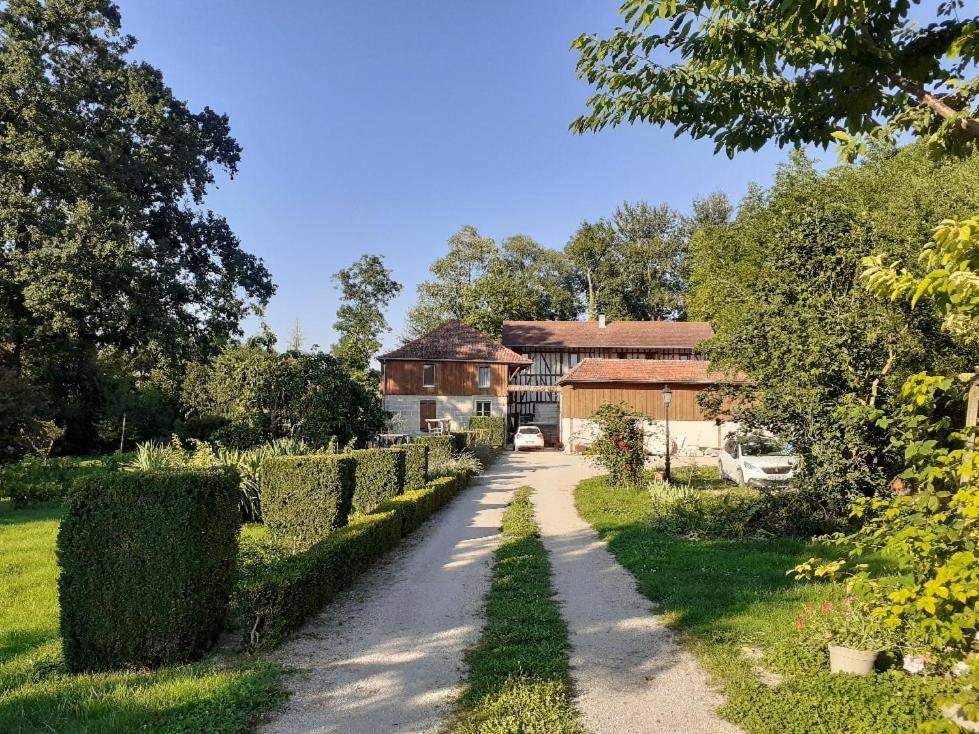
(453, 372)
(554, 374)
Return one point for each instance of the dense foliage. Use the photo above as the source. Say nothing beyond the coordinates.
(743, 74)
(619, 448)
(484, 284)
(780, 286)
(106, 249)
(305, 498)
(166, 602)
(416, 464)
(379, 475)
(38, 480)
(366, 289)
(262, 394)
(490, 429)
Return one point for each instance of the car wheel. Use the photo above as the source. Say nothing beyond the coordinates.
(740, 478)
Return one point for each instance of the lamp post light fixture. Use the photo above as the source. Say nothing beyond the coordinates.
(667, 398)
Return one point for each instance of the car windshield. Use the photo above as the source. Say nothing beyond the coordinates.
(529, 429)
(763, 447)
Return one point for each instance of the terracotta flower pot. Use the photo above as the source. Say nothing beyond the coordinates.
(848, 660)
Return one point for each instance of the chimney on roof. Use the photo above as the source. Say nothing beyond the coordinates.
(601, 321)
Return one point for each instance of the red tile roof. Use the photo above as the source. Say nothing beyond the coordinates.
(455, 341)
(635, 334)
(645, 370)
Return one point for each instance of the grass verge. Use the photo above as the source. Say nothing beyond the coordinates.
(519, 681)
(723, 597)
(37, 694)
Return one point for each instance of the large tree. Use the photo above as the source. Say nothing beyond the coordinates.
(484, 284)
(104, 238)
(366, 289)
(780, 286)
(633, 265)
(797, 71)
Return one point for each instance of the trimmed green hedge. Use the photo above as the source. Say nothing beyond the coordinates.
(439, 449)
(379, 475)
(305, 498)
(493, 426)
(277, 594)
(38, 480)
(415, 506)
(416, 464)
(147, 567)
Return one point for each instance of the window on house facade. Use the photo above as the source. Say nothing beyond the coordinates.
(573, 360)
(484, 408)
(484, 376)
(428, 375)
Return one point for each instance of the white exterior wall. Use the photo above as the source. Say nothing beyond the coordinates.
(458, 408)
(694, 438)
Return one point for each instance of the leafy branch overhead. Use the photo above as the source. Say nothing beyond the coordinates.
(746, 73)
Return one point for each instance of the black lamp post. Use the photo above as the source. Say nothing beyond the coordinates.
(667, 397)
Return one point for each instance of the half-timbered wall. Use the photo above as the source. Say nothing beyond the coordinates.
(404, 377)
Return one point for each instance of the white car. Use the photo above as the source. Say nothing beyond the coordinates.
(758, 461)
(528, 437)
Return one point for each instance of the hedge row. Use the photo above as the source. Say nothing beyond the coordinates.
(493, 427)
(379, 475)
(416, 464)
(276, 595)
(36, 480)
(439, 449)
(147, 567)
(306, 498)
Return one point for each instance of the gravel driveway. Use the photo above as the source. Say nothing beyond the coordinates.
(630, 675)
(387, 655)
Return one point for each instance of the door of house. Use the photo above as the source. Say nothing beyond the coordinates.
(426, 411)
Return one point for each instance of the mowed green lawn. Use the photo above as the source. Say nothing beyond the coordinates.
(725, 596)
(37, 694)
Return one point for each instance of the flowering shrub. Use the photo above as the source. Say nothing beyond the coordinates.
(619, 448)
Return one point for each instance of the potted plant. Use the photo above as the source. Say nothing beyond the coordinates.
(853, 637)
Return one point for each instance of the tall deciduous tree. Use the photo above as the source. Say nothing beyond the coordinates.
(746, 73)
(366, 289)
(484, 284)
(104, 241)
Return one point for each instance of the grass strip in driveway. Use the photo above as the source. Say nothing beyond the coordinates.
(723, 596)
(519, 681)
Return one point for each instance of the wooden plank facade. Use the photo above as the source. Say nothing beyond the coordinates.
(549, 365)
(404, 377)
(647, 398)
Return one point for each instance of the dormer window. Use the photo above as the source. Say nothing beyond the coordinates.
(428, 375)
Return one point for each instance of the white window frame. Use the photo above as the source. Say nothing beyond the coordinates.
(489, 407)
(479, 376)
(432, 383)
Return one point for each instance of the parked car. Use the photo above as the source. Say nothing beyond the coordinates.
(528, 437)
(758, 461)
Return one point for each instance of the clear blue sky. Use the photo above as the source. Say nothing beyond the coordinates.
(383, 127)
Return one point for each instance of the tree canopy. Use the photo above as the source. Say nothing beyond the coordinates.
(484, 284)
(366, 289)
(105, 242)
(746, 73)
(780, 286)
